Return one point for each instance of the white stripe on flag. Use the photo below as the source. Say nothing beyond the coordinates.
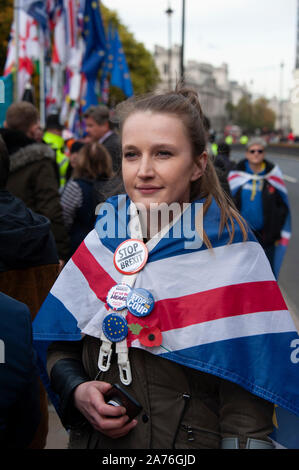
(224, 329)
(85, 306)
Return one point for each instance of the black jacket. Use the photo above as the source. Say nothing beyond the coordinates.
(26, 239)
(19, 397)
(32, 179)
(275, 210)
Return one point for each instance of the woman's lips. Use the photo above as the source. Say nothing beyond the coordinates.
(148, 190)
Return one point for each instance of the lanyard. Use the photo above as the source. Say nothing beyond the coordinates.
(121, 347)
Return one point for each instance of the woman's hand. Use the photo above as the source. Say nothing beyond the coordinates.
(109, 420)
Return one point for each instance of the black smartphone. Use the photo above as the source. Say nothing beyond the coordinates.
(117, 396)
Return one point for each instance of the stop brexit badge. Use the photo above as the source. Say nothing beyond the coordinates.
(130, 256)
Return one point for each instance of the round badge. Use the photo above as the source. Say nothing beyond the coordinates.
(117, 296)
(115, 327)
(140, 302)
(130, 256)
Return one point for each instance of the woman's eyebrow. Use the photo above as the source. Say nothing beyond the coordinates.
(129, 147)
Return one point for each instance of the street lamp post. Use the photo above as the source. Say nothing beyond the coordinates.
(281, 96)
(169, 12)
(183, 40)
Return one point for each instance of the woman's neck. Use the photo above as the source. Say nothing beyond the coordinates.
(155, 219)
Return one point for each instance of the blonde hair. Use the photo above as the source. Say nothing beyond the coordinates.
(184, 103)
(93, 161)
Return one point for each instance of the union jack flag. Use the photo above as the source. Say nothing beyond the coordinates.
(219, 311)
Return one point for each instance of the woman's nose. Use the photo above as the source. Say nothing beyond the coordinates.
(145, 169)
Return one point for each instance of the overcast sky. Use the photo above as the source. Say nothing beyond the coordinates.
(254, 37)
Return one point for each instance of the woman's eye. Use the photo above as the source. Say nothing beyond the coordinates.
(130, 154)
(164, 153)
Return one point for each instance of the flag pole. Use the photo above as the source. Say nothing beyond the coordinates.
(17, 29)
(41, 77)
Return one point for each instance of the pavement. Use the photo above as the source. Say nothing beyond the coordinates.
(57, 436)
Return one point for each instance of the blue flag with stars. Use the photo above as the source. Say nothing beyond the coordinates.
(116, 64)
(120, 75)
(95, 49)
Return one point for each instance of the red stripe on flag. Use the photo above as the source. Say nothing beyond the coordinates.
(71, 23)
(98, 279)
(228, 301)
(232, 177)
(277, 179)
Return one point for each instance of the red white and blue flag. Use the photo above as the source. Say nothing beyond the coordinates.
(219, 311)
(237, 179)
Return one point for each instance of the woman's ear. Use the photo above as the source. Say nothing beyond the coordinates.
(200, 163)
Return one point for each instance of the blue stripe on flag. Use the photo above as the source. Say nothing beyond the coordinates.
(53, 317)
(276, 353)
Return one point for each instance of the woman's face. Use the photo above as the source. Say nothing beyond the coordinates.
(157, 162)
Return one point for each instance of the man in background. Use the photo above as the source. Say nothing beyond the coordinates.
(99, 129)
(53, 137)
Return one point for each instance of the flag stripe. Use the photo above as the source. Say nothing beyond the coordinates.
(98, 279)
(215, 304)
(223, 329)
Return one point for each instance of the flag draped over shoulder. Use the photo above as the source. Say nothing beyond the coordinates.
(219, 311)
(237, 179)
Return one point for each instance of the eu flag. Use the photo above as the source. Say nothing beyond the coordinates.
(120, 75)
(95, 48)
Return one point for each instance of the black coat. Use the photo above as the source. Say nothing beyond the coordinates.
(274, 208)
(19, 397)
(32, 179)
(26, 239)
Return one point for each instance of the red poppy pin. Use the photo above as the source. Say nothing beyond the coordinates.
(150, 336)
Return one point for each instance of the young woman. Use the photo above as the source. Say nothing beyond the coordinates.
(93, 166)
(174, 321)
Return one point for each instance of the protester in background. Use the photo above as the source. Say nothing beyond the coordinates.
(99, 129)
(19, 389)
(212, 149)
(38, 134)
(32, 175)
(28, 263)
(260, 194)
(93, 167)
(74, 149)
(53, 137)
(223, 157)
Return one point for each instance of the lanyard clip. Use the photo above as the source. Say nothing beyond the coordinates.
(123, 362)
(105, 355)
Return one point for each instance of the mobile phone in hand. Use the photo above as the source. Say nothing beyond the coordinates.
(117, 396)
